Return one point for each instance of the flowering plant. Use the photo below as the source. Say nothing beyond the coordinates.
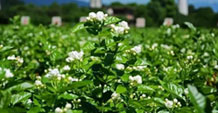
(101, 65)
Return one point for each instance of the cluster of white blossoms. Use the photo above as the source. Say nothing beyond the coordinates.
(38, 82)
(121, 28)
(172, 104)
(100, 16)
(74, 55)
(135, 50)
(7, 72)
(135, 80)
(68, 106)
(120, 66)
(18, 58)
(189, 57)
(66, 68)
(54, 73)
(115, 96)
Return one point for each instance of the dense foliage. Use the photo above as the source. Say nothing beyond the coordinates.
(103, 66)
(155, 12)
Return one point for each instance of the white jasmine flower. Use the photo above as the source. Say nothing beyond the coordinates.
(100, 16)
(154, 46)
(54, 73)
(206, 54)
(189, 57)
(29, 101)
(120, 44)
(58, 110)
(179, 104)
(20, 60)
(143, 95)
(124, 24)
(74, 55)
(79, 100)
(38, 83)
(120, 66)
(183, 50)
(137, 49)
(92, 15)
(59, 78)
(8, 73)
(175, 100)
(115, 96)
(11, 57)
(168, 103)
(216, 66)
(139, 68)
(121, 28)
(38, 77)
(73, 79)
(135, 80)
(166, 46)
(68, 106)
(66, 68)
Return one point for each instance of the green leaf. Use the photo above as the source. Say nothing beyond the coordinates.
(35, 110)
(162, 111)
(68, 96)
(185, 110)
(89, 46)
(20, 87)
(159, 100)
(136, 104)
(6, 48)
(111, 20)
(77, 111)
(23, 96)
(109, 59)
(175, 89)
(145, 89)
(78, 27)
(121, 89)
(197, 99)
(78, 84)
(4, 99)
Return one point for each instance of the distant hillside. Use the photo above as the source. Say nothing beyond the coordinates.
(48, 2)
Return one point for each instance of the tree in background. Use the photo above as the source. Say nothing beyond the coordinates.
(8, 9)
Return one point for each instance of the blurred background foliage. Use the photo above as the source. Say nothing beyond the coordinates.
(154, 12)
